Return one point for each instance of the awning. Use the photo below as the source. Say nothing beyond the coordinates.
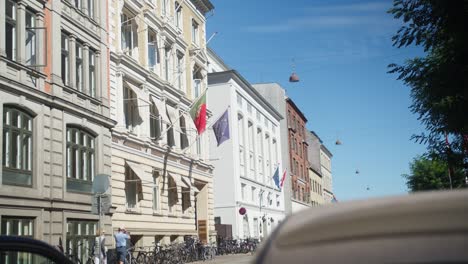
(177, 179)
(161, 109)
(140, 172)
(133, 87)
(172, 114)
(186, 182)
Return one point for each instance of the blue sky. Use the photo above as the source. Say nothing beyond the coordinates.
(341, 50)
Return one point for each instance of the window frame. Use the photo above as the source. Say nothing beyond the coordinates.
(17, 156)
(31, 45)
(79, 66)
(80, 172)
(78, 244)
(11, 52)
(65, 58)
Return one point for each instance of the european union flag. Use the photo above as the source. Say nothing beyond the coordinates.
(221, 128)
(276, 178)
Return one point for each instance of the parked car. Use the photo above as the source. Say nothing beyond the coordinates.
(429, 227)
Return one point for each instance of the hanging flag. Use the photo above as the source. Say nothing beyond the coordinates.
(198, 114)
(276, 178)
(283, 178)
(221, 128)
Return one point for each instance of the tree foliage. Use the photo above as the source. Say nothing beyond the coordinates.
(432, 174)
(439, 80)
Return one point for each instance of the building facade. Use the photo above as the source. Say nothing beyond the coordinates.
(162, 182)
(298, 157)
(326, 169)
(315, 170)
(55, 123)
(246, 163)
(276, 96)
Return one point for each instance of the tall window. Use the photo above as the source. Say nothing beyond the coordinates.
(18, 226)
(92, 73)
(166, 63)
(31, 38)
(251, 135)
(81, 235)
(129, 35)
(130, 109)
(240, 129)
(80, 160)
(10, 29)
(245, 221)
(156, 195)
(199, 146)
(79, 66)
(180, 70)
(155, 122)
(133, 192)
(195, 33)
(152, 49)
(185, 199)
(172, 196)
(183, 135)
(243, 191)
(17, 147)
(255, 227)
(197, 81)
(260, 168)
(65, 59)
(178, 15)
(164, 7)
(275, 152)
(91, 8)
(78, 4)
(254, 194)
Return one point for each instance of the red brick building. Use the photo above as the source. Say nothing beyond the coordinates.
(300, 183)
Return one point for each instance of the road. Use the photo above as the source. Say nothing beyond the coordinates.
(229, 259)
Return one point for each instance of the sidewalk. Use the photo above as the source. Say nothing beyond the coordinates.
(238, 258)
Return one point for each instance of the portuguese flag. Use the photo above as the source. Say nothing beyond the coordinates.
(198, 114)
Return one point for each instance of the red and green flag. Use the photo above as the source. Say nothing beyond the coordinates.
(198, 113)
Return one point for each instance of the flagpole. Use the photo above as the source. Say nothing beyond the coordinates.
(180, 115)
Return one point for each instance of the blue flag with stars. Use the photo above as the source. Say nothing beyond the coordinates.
(276, 178)
(221, 128)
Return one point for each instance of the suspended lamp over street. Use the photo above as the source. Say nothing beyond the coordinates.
(293, 78)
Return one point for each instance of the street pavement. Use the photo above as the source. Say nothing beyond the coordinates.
(229, 259)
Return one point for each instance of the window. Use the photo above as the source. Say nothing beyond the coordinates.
(166, 63)
(81, 235)
(278, 202)
(133, 189)
(254, 197)
(172, 194)
(183, 135)
(155, 122)
(255, 226)
(18, 226)
(197, 81)
(275, 152)
(195, 32)
(199, 146)
(92, 73)
(78, 4)
(243, 191)
(129, 38)
(79, 66)
(178, 15)
(156, 195)
(245, 225)
(10, 29)
(130, 109)
(91, 8)
(65, 59)
(180, 70)
(239, 100)
(17, 147)
(30, 38)
(185, 199)
(80, 160)
(152, 49)
(164, 7)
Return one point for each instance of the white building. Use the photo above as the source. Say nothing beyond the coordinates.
(325, 163)
(245, 164)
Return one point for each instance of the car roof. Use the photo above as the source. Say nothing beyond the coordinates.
(386, 221)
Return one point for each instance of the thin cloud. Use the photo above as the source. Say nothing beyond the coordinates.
(353, 7)
(329, 16)
(314, 22)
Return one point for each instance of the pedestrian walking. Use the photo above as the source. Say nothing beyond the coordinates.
(121, 244)
(103, 249)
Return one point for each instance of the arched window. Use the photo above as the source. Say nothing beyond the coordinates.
(17, 146)
(80, 159)
(155, 122)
